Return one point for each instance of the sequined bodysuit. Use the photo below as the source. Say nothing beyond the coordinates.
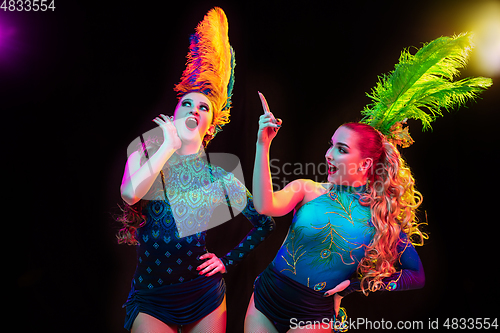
(181, 210)
(327, 239)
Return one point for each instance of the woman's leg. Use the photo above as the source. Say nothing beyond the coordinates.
(256, 321)
(214, 322)
(145, 323)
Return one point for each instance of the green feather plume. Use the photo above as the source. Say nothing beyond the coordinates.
(420, 86)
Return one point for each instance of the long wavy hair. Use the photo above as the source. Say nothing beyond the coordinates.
(393, 202)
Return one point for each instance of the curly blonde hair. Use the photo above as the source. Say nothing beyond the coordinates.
(393, 202)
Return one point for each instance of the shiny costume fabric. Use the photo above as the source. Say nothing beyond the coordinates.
(173, 237)
(281, 298)
(324, 245)
(325, 240)
(180, 303)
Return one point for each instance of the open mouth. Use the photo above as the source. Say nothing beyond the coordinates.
(191, 122)
(332, 169)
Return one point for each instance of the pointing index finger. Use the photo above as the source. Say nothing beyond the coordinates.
(265, 106)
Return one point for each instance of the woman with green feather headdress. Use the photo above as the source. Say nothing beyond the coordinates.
(171, 193)
(362, 222)
(420, 86)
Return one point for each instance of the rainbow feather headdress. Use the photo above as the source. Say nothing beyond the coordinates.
(420, 85)
(210, 65)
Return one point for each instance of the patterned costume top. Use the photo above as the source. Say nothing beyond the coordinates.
(327, 239)
(173, 236)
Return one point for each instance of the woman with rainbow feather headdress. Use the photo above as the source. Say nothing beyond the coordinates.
(357, 231)
(171, 191)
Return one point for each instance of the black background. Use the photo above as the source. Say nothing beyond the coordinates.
(80, 83)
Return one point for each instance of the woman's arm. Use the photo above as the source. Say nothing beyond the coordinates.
(262, 227)
(137, 179)
(238, 199)
(267, 201)
(409, 275)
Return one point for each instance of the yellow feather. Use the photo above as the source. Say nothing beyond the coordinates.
(210, 65)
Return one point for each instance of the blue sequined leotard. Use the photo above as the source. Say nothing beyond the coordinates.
(173, 236)
(327, 239)
(181, 207)
(324, 245)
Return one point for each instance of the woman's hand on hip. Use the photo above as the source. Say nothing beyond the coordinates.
(211, 266)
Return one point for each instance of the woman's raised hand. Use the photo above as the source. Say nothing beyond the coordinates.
(170, 135)
(268, 128)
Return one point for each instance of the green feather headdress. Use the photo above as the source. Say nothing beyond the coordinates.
(420, 86)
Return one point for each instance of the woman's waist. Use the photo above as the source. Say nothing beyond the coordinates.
(163, 259)
(149, 276)
(176, 228)
(169, 248)
(315, 276)
(176, 279)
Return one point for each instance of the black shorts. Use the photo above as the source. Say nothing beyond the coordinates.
(280, 299)
(180, 304)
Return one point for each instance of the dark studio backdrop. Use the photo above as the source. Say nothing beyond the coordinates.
(78, 84)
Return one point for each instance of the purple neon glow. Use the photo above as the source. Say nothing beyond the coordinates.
(6, 34)
(8, 44)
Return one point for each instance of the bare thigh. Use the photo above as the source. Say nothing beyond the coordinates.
(214, 322)
(145, 323)
(256, 321)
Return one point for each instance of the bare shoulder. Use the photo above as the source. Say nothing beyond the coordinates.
(311, 190)
(302, 186)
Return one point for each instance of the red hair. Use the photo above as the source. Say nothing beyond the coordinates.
(393, 202)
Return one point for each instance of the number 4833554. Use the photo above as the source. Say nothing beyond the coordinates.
(27, 5)
(470, 323)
